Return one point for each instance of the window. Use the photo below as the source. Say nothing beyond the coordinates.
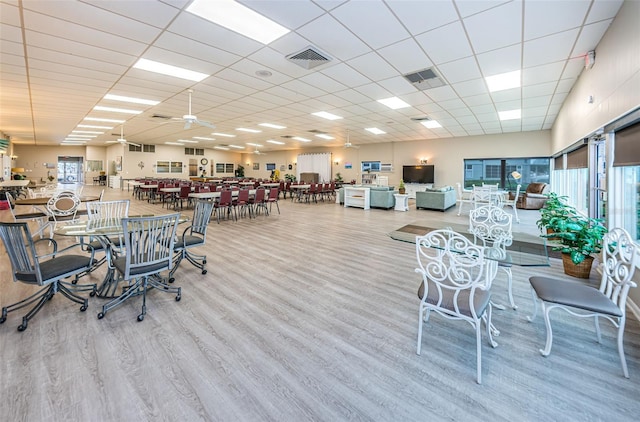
(189, 151)
(142, 148)
(225, 167)
(370, 166)
(135, 148)
(271, 166)
(479, 171)
(169, 167)
(199, 151)
(93, 165)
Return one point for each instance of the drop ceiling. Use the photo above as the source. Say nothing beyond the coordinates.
(60, 58)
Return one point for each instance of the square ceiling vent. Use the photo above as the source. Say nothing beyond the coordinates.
(309, 57)
(425, 79)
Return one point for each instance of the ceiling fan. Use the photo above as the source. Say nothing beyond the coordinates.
(121, 139)
(348, 143)
(190, 119)
(257, 152)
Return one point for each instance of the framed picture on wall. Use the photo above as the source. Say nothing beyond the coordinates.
(119, 163)
(256, 166)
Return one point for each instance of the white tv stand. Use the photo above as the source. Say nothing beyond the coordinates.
(357, 197)
(412, 188)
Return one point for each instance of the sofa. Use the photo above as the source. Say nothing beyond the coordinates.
(534, 197)
(379, 196)
(440, 199)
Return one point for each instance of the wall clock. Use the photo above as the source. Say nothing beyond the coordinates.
(204, 161)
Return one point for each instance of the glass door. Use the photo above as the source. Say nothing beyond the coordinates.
(70, 170)
(598, 198)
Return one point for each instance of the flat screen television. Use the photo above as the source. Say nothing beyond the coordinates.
(418, 174)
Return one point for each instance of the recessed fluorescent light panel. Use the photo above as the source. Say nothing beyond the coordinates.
(167, 69)
(203, 138)
(87, 131)
(509, 114)
(272, 126)
(99, 119)
(431, 124)
(225, 135)
(117, 110)
(323, 136)
(297, 138)
(222, 148)
(95, 127)
(238, 18)
(69, 143)
(326, 115)
(236, 146)
(174, 143)
(75, 139)
(394, 103)
(503, 81)
(76, 136)
(188, 141)
(271, 141)
(130, 99)
(253, 145)
(375, 131)
(244, 129)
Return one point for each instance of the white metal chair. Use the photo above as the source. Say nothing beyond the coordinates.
(149, 244)
(39, 217)
(62, 208)
(456, 283)
(619, 255)
(513, 203)
(193, 236)
(492, 227)
(464, 197)
(46, 271)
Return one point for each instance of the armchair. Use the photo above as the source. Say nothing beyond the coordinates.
(534, 197)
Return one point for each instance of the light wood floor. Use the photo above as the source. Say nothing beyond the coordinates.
(307, 315)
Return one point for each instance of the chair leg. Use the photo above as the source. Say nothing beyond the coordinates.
(623, 361)
(132, 290)
(41, 296)
(535, 306)
(177, 258)
(547, 322)
(198, 261)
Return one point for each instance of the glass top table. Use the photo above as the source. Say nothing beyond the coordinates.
(526, 250)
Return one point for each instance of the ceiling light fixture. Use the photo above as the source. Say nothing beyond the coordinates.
(174, 143)
(324, 136)
(244, 129)
(271, 141)
(169, 70)
(203, 138)
(238, 18)
(131, 99)
(236, 146)
(188, 141)
(271, 125)
(226, 135)
(326, 115)
(95, 127)
(100, 119)
(430, 124)
(503, 81)
(253, 145)
(222, 148)
(117, 110)
(375, 130)
(394, 103)
(510, 114)
(87, 131)
(298, 138)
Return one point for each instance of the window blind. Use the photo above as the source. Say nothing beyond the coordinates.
(626, 150)
(578, 158)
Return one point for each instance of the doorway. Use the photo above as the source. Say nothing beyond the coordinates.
(70, 170)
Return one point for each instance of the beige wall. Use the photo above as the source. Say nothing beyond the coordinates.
(614, 82)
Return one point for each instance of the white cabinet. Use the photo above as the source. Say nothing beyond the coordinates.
(369, 178)
(357, 197)
(114, 182)
(412, 188)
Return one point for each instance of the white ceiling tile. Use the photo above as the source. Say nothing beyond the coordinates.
(467, 8)
(346, 75)
(499, 61)
(539, 22)
(534, 112)
(549, 49)
(323, 82)
(398, 85)
(508, 105)
(483, 109)
(406, 56)
(374, 91)
(470, 88)
(353, 96)
(178, 44)
(603, 9)
(573, 68)
(422, 16)
(10, 33)
(565, 85)
(332, 37)
(506, 16)
(446, 43)
(460, 70)
(290, 14)
(538, 90)
(368, 30)
(477, 100)
(372, 66)
(513, 94)
(590, 37)
(540, 74)
(9, 14)
(441, 93)
(157, 14)
(542, 101)
(12, 48)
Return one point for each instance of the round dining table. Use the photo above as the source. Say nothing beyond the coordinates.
(44, 200)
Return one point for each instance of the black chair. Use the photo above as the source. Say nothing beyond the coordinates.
(149, 244)
(193, 236)
(46, 270)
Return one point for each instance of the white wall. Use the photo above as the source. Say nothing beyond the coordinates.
(613, 81)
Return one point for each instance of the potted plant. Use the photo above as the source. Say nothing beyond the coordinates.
(339, 178)
(290, 177)
(555, 209)
(401, 187)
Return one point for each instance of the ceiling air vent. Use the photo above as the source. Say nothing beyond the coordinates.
(309, 57)
(160, 117)
(425, 79)
(317, 132)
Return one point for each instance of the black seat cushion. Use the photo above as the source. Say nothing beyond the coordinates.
(480, 299)
(97, 245)
(120, 264)
(30, 215)
(188, 241)
(59, 267)
(573, 294)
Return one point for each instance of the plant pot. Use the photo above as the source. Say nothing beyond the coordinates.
(581, 270)
(401, 191)
(550, 231)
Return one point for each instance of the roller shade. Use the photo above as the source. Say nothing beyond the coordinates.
(626, 151)
(558, 163)
(578, 158)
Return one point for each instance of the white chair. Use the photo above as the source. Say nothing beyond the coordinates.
(464, 197)
(619, 254)
(456, 283)
(482, 195)
(491, 226)
(37, 216)
(513, 203)
(62, 208)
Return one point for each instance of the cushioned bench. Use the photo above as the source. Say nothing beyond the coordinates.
(439, 199)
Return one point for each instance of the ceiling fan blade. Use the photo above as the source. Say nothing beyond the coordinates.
(187, 124)
(111, 142)
(207, 124)
(131, 143)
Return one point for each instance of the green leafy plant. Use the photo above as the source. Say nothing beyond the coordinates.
(401, 184)
(339, 178)
(240, 171)
(290, 177)
(555, 210)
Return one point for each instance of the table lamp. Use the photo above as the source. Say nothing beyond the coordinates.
(517, 176)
